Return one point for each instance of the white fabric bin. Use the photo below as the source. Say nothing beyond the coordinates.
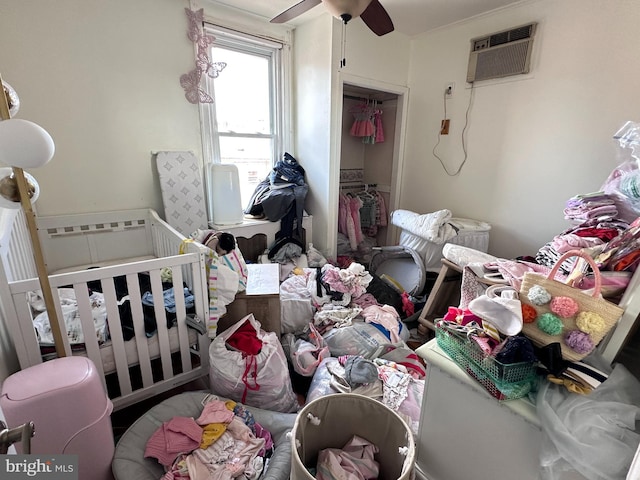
(331, 421)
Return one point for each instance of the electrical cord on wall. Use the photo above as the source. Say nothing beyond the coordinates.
(464, 129)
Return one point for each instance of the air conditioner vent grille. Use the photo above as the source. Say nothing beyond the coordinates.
(514, 35)
(502, 62)
(501, 54)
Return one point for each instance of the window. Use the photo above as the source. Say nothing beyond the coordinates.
(244, 124)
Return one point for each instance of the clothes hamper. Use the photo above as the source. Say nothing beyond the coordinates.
(331, 421)
(67, 402)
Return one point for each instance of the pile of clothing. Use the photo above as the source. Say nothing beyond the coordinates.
(224, 442)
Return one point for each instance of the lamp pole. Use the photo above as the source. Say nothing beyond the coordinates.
(30, 216)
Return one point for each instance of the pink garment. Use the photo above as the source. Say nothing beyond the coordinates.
(265, 434)
(362, 125)
(215, 411)
(355, 204)
(378, 124)
(570, 241)
(362, 128)
(513, 271)
(355, 461)
(343, 211)
(364, 300)
(178, 435)
(382, 210)
(351, 228)
(384, 315)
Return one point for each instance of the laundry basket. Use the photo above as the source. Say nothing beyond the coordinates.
(331, 421)
(414, 235)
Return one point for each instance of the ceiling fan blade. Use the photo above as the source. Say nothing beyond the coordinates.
(297, 9)
(377, 18)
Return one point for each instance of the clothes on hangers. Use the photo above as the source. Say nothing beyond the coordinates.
(360, 214)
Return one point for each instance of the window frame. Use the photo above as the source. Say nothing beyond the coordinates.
(278, 53)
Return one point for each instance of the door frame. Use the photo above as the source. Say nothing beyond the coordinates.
(395, 194)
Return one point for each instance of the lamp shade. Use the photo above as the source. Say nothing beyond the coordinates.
(9, 195)
(24, 144)
(350, 7)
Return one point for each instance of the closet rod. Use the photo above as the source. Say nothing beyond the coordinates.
(362, 99)
(360, 185)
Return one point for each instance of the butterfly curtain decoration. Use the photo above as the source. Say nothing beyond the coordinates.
(191, 81)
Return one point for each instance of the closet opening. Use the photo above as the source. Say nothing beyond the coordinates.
(369, 165)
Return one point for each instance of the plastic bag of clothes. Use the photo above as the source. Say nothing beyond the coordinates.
(584, 433)
(249, 366)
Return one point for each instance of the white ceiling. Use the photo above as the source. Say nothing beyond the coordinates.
(410, 17)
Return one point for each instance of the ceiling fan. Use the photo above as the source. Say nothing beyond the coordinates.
(372, 13)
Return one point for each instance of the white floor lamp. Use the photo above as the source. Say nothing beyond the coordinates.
(24, 144)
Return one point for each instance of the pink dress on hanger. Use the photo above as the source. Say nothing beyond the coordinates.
(379, 135)
(363, 125)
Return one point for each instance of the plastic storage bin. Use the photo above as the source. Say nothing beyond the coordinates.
(67, 403)
(331, 421)
(225, 202)
(503, 381)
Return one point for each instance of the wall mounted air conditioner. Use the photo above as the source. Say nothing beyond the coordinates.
(501, 54)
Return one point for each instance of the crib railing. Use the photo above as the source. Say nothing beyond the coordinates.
(151, 376)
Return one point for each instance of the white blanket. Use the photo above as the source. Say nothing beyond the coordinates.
(433, 227)
(71, 315)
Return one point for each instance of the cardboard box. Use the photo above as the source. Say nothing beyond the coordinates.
(262, 298)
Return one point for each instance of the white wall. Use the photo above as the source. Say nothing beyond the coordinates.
(103, 79)
(533, 142)
(312, 57)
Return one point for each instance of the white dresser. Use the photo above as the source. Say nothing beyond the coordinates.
(465, 433)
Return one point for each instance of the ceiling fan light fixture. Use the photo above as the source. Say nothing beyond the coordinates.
(338, 8)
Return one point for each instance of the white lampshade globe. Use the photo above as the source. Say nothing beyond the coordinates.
(351, 7)
(24, 144)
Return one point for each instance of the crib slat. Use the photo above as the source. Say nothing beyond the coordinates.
(27, 332)
(117, 342)
(133, 287)
(85, 311)
(161, 324)
(181, 315)
(66, 346)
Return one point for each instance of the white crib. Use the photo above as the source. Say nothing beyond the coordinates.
(85, 249)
